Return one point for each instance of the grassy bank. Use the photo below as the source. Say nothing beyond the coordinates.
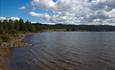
(6, 37)
(13, 40)
(12, 32)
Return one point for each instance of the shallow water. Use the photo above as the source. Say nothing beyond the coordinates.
(66, 51)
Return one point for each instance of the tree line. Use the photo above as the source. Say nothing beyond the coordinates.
(10, 26)
(13, 27)
(75, 27)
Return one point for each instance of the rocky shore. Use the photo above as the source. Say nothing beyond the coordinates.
(16, 42)
(6, 47)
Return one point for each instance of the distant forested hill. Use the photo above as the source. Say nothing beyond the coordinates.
(75, 27)
(10, 26)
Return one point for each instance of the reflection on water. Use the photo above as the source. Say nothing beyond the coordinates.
(66, 51)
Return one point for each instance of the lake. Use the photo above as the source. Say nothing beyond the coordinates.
(66, 51)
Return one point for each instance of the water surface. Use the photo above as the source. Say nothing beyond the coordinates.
(66, 51)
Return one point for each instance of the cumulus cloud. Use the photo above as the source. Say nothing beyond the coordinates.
(78, 11)
(102, 4)
(34, 14)
(42, 4)
(14, 18)
(7, 18)
(22, 8)
(2, 18)
(43, 16)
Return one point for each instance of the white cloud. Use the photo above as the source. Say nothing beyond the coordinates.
(14, 18)
(39, 15)
(111, 13)
(7, 18)
(34, 14)
(42, 4)
(2, 18)
(77, 11)
(43, 16)
(22, 8)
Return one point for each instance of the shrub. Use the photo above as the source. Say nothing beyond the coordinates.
(0, 40)
(5, 37)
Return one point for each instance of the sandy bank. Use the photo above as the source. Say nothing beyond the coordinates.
(16, 42)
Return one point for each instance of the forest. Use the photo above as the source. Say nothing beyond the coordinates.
(11, 28)
(69, 27)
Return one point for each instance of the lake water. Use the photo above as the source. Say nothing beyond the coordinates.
(66, 51)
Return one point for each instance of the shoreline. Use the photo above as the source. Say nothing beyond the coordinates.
(16, 42)
(6, 47)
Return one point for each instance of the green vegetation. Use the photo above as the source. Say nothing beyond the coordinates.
(5, 37)
(74, 27)
(10, 28)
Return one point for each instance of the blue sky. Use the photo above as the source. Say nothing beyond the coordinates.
(11, 8)
(60, 11)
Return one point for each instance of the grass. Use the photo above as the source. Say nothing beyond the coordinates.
(5, 38)
(8, 40)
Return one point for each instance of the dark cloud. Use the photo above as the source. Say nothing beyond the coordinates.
(102, 4)
(99, 16)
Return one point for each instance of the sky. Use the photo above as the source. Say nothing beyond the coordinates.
(87, 12)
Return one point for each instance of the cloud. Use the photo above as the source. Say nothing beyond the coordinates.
(2, 18)
(78, 11)
(14, 18)
(7, 18)
(42, 4)
(102, 4)
(43, 16)
(22, 8)
(34, 14)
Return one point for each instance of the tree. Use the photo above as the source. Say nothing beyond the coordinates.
(30, 27)
(21, 22)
